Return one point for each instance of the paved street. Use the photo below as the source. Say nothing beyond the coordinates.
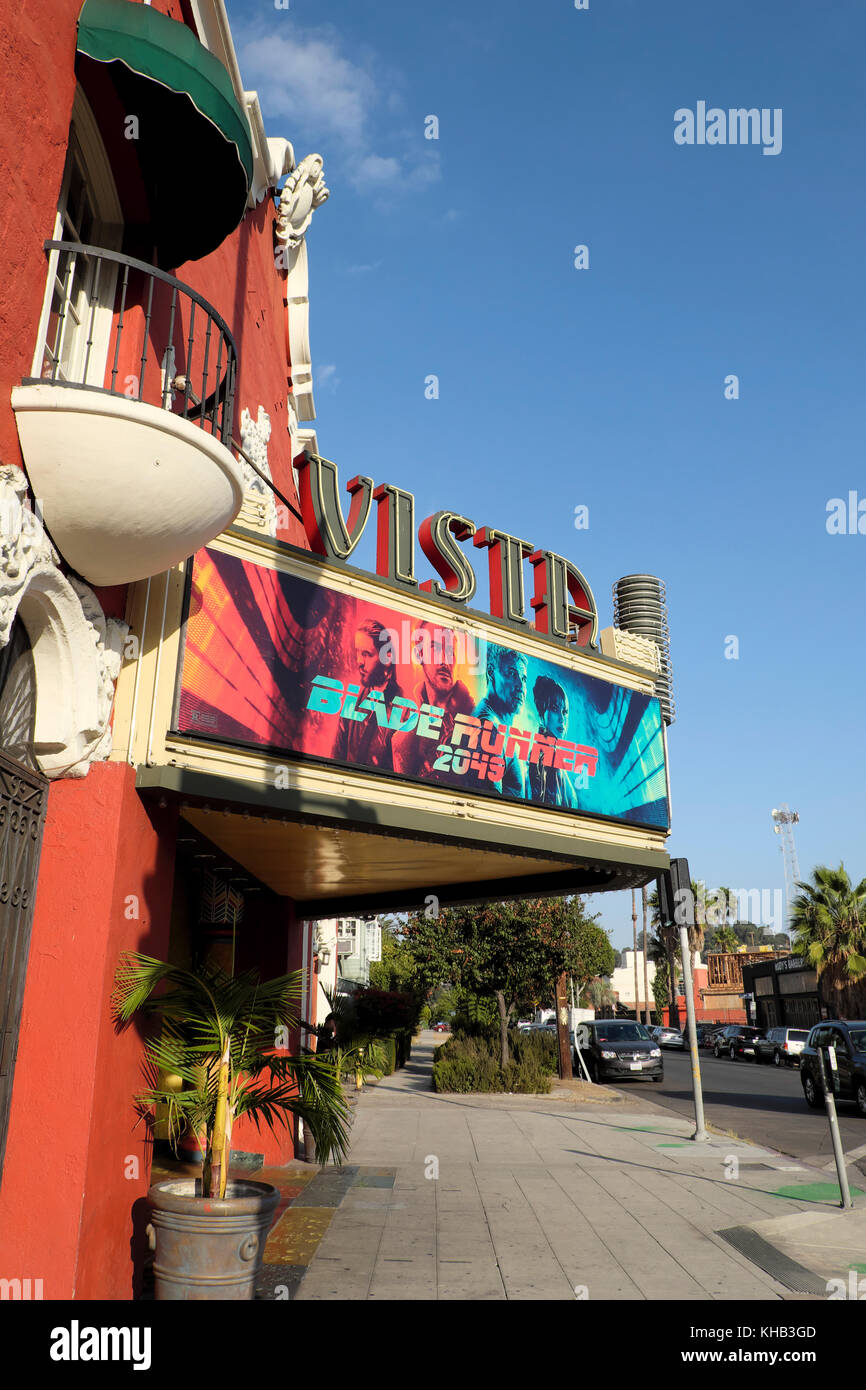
(762, 1103)
(526, 1197)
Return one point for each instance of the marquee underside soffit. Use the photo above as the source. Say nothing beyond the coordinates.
(331, 865)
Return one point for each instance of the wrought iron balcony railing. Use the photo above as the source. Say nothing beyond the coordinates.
(121, 326)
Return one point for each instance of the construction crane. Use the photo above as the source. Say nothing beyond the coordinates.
(784, 820)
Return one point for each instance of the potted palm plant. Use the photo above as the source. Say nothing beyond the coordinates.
(222, 1035)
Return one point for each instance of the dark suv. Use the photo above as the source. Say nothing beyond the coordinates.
(849, 1075)
(739, 1040)
(615, 1049)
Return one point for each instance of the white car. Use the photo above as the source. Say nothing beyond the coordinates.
(788, 1043)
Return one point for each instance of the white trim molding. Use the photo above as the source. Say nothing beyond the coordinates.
(76, 650)
(303, 192)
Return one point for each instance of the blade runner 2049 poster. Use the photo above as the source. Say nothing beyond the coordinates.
(280, 662)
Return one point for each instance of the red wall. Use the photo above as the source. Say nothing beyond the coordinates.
(270, 941)
(66, 1202)
(37, 55)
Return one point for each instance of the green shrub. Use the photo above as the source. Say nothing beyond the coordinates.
(539, 1050)
(469, 1062)
(403, 1039)
(389, 1047)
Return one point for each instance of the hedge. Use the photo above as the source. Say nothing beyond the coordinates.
(470, 1063)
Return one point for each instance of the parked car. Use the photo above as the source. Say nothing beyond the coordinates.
(849, 1077)
(706, 1033)
(524, 1025)
(616, 1049)
(670, 1037)
(441, 1027)
(788, 1043)
(740, 1040)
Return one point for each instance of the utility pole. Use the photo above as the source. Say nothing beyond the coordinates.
(562, 1030)
(645, 954)
(634, 938)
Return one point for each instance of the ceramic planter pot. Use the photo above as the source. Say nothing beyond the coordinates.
(208, 1248)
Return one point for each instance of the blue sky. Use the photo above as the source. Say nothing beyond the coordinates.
(604, 387)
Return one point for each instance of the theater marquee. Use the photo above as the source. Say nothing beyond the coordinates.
(293, 663)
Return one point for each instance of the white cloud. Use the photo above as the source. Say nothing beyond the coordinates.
(346, 108)
(326, 377)
(304, 78)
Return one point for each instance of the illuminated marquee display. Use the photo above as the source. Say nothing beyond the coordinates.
(289, 664)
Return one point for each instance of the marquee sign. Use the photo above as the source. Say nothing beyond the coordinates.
(292, 664)
(562, 600)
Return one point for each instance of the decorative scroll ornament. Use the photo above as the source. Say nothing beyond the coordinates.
(25, 550)
(254, 441)
(303, 191)
(76, 649)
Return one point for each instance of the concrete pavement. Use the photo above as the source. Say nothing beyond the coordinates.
(535, 1197)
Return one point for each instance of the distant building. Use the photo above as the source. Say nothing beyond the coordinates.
(722, 995)
(622, 981)
(359, 944)
(782, 992)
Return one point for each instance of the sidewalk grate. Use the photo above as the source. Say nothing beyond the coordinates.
(780, 1267)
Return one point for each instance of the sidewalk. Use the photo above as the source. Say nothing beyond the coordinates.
(535, 1197)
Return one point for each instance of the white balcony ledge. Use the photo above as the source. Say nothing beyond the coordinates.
(126, 489)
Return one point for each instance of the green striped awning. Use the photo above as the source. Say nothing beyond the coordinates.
(192, 136)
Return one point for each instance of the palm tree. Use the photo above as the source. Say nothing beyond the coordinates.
(601, 997)
(726, 939)
(219, 1033)
(828, 918)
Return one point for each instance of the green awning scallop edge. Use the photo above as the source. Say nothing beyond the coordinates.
(167, 52)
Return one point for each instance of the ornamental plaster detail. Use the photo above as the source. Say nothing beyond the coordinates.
(254, 441)
(303, 192)
(25, 550)
(77, 651)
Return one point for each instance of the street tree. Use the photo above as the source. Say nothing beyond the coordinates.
(828, 917)
(514, 951)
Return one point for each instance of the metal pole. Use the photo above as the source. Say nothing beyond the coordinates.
(700, 1134)
(646, 994)
(634, 942)
(838, 1154)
